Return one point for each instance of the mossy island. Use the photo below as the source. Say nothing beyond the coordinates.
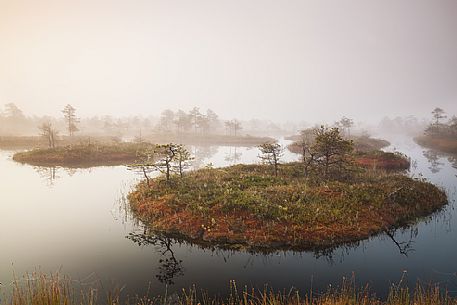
(367, 150)
(87, 152)
(326, 200)
(82, 155)
(440, 135)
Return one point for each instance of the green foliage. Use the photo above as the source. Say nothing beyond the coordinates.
(271, 154)
(331, 155)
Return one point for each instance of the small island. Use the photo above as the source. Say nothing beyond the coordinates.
(326, 200)
(440, 135)
(367, 150)
(110, 153)
(82, 155)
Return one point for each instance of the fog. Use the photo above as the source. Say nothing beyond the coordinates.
(273, 60)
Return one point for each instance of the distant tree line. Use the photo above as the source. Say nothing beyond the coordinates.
(13, 122)
(196, 122)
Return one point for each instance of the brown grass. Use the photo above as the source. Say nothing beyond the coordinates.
(244, 206)
(41, 289)
(443, 144)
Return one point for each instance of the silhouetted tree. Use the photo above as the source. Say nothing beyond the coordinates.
(69, 113)
(271, 153)
(438, 114)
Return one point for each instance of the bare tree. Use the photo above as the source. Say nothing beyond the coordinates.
(48, 132)
(271, 153)
(69, 113)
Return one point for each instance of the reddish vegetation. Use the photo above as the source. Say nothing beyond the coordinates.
(237, 228)
(383, 160)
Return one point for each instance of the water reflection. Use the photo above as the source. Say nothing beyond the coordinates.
(169, 267)
(405, 247)
(453, 160)
(233, 156)
(437, 159)
(202, 154)
(433, 158)
(74, 225)
(50, 174)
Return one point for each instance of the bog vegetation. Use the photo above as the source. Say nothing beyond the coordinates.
(324, 200)
(440, 134)
(42, 289)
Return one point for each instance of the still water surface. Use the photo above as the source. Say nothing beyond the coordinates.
(75, 221)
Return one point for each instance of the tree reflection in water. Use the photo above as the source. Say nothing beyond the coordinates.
(202, 153)
(453, 160)
(169, 266)
(50, 174)
(405, 247)
(433, 158)
(233, 156)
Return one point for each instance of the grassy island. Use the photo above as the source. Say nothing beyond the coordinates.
(367, 151)
(440, 135)
(363, 143)
(82, 155)
(383, 160)
(246, 206)
(444, 144)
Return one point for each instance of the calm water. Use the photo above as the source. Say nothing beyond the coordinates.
(75, 221)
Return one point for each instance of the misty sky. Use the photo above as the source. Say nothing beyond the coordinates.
(281, 60)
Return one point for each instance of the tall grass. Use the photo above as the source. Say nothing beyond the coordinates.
(41, 289)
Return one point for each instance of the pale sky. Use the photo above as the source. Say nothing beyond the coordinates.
(281, 60)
